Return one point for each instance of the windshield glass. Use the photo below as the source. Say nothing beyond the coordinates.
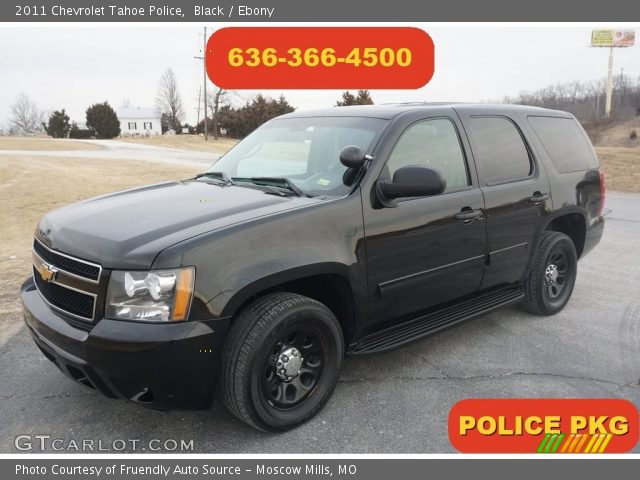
(305, 151)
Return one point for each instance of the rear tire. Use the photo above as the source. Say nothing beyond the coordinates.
(281, 361)
(549, 284)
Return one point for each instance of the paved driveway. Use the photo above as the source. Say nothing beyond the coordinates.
(395, 402)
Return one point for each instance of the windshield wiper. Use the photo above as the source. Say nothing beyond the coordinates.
(217, 176)
(278, 182)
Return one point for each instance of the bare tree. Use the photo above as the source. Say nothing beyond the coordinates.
(169, 100)
(25, 118)
(216, 100)
(586, 99)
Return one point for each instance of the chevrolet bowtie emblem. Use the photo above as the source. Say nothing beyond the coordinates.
(47, 272)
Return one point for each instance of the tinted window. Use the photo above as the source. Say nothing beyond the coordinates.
(500, 149)
(565, 143)
(434, 144)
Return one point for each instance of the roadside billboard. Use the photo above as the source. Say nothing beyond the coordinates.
(613, 38)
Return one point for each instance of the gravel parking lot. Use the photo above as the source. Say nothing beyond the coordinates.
(392, 403)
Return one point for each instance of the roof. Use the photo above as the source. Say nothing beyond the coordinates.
(390, 110)
(137, 112)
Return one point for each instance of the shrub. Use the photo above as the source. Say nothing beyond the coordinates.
(102, 119)
(633, 135)
(58, 125)
(80, 133)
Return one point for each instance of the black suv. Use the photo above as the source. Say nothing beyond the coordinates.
(345, 230)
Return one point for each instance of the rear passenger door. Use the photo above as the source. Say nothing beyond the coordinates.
(516, 193)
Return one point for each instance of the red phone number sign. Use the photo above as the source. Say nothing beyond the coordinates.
(320, 58)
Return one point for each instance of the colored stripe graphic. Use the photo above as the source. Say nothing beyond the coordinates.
(562, 443)
(552, 440)
(566, 444)
(575, 442)
(582, 442)
(558, 442)
(596, 445)
(605, 443)
(587, 449)
(543, 443)
(571, 445)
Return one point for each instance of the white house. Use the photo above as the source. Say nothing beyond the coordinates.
(139, 121)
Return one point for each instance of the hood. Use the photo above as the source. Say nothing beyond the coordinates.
(128, 229)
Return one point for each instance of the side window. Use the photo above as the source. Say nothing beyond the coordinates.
(565, 143)
(500, 150)
(434, 144)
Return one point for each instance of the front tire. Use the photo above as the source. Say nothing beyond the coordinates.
(549, 284)
(281, 361)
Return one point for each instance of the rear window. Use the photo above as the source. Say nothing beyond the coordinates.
(565, 143)
(501, 150)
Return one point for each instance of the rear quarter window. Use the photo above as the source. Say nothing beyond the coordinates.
(565, 143)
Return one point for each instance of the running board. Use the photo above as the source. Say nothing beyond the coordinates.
(407, 332)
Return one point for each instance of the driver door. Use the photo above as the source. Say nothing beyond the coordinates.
(421, 253)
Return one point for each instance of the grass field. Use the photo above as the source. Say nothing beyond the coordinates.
(621, 167)
(185, 142)
(617, 134)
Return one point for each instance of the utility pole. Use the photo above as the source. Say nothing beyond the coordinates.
(607, 104)
(204, 71)
(204, 76)
(199, 97)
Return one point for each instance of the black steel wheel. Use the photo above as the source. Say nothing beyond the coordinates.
(281, 361)
(294, 366)
(555, 275)
(550, 281)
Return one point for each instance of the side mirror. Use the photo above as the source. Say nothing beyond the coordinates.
(412, 181)
(352, 156)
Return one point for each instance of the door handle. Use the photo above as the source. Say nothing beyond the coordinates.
(467, 215)
(538, 198)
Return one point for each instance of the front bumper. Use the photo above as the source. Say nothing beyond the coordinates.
(163, 366)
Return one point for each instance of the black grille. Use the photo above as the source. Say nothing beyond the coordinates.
(65, 263)
(71, 301)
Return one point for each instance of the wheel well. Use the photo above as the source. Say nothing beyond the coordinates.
(333, 291)
(572, 225)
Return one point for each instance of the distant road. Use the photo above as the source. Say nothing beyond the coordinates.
(116, 150)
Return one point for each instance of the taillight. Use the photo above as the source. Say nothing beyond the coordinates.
(603, 192)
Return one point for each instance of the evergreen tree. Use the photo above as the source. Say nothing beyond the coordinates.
(102, 119)
(58, 125)
(362, 98)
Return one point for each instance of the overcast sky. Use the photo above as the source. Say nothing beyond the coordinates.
(73, 67)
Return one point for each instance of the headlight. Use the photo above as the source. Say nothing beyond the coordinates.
(156, 296)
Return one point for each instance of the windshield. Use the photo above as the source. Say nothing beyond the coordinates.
(304, 151)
